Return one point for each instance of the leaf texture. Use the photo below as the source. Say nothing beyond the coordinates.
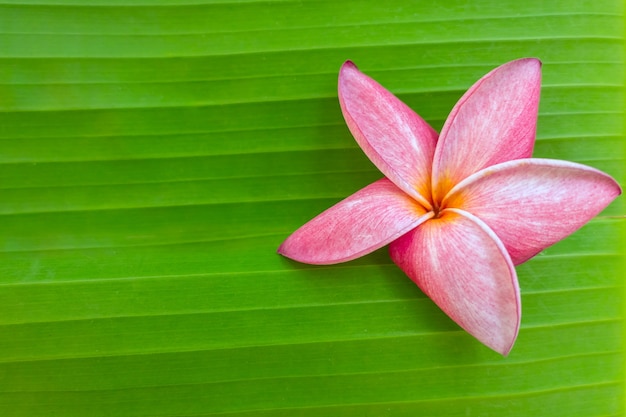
(154, 155)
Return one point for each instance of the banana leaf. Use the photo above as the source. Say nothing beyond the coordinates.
(154, 154)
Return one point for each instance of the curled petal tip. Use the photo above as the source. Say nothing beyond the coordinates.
(348, 69)
(529, 65)
(281, 250)
(529, 61)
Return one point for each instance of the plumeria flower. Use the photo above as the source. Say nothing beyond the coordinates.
(458, 210)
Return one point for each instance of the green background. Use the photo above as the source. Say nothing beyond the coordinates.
(154, 154)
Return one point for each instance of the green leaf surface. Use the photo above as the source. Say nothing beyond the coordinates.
(154, 154)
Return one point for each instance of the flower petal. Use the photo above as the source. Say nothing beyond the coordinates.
(398, 141)
(367, 220)
(533, 203)
(465, 269)
(493, 122)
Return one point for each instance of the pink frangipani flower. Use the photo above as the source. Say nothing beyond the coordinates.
(458, 210)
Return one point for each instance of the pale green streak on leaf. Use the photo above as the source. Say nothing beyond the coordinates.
(153, 155)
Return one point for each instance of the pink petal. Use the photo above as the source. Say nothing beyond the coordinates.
(533, 203)
(464, 268)
(398, 141)
(493, 122)
(367, 220)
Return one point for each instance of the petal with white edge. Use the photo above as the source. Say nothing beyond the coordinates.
(398, 141)
(465, 269)
(367, 220)
(495, 121)
(533, 203)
